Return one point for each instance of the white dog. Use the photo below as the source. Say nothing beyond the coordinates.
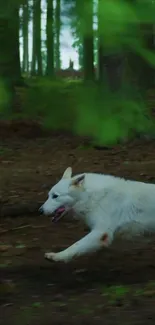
(107, 204)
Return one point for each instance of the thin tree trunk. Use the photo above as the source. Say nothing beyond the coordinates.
(57, 33)
(25, 22)
(80, 52)
(36, 68)
(17, 68)
(38, 38)
(50, 39)
(100, 69)
(88, 41)
(34, 54)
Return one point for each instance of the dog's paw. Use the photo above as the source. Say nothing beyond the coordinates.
(51, 256)
(57, 257)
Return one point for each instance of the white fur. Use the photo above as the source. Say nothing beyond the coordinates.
(108, 205)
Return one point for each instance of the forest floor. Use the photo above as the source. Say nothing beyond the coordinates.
(115, 286)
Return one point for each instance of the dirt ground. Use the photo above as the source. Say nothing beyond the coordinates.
(113, 286)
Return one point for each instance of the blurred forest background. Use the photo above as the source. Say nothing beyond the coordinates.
(77, 88)
(110, 94)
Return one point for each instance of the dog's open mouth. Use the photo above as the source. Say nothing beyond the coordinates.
(58, 214)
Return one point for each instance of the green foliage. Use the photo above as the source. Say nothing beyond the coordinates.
(110, 117)
(119, 24)
(115, 292)
(116, 21)
(54, 101)
(101, 114)
(86, 109)
(92, 109)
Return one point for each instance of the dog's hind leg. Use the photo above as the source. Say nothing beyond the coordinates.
(92, 242)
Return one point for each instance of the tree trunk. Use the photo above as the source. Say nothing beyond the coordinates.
(57, 34)
(10, 72)
(88, 58)
(15, 44)
(25, 22)
(36, 48)
(111, 63)
(80, 52)
(50, 39)
(88, 41)
(38, 37)
(138, 66)
(34, 54)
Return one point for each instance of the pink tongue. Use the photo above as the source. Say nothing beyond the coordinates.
(60, 209)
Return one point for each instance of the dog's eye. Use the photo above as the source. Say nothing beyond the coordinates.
(54, 196)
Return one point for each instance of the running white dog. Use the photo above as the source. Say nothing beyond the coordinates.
(107, 204)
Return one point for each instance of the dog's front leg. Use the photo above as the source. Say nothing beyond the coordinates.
(92, 242)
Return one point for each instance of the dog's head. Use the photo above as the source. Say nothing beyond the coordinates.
(63, 195)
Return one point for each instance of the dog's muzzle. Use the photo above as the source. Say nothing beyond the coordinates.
(57, 214)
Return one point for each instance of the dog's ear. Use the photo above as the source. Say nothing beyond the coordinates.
(67, 173)
(78, 182)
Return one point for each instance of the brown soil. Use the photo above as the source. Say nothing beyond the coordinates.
(115, 286)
